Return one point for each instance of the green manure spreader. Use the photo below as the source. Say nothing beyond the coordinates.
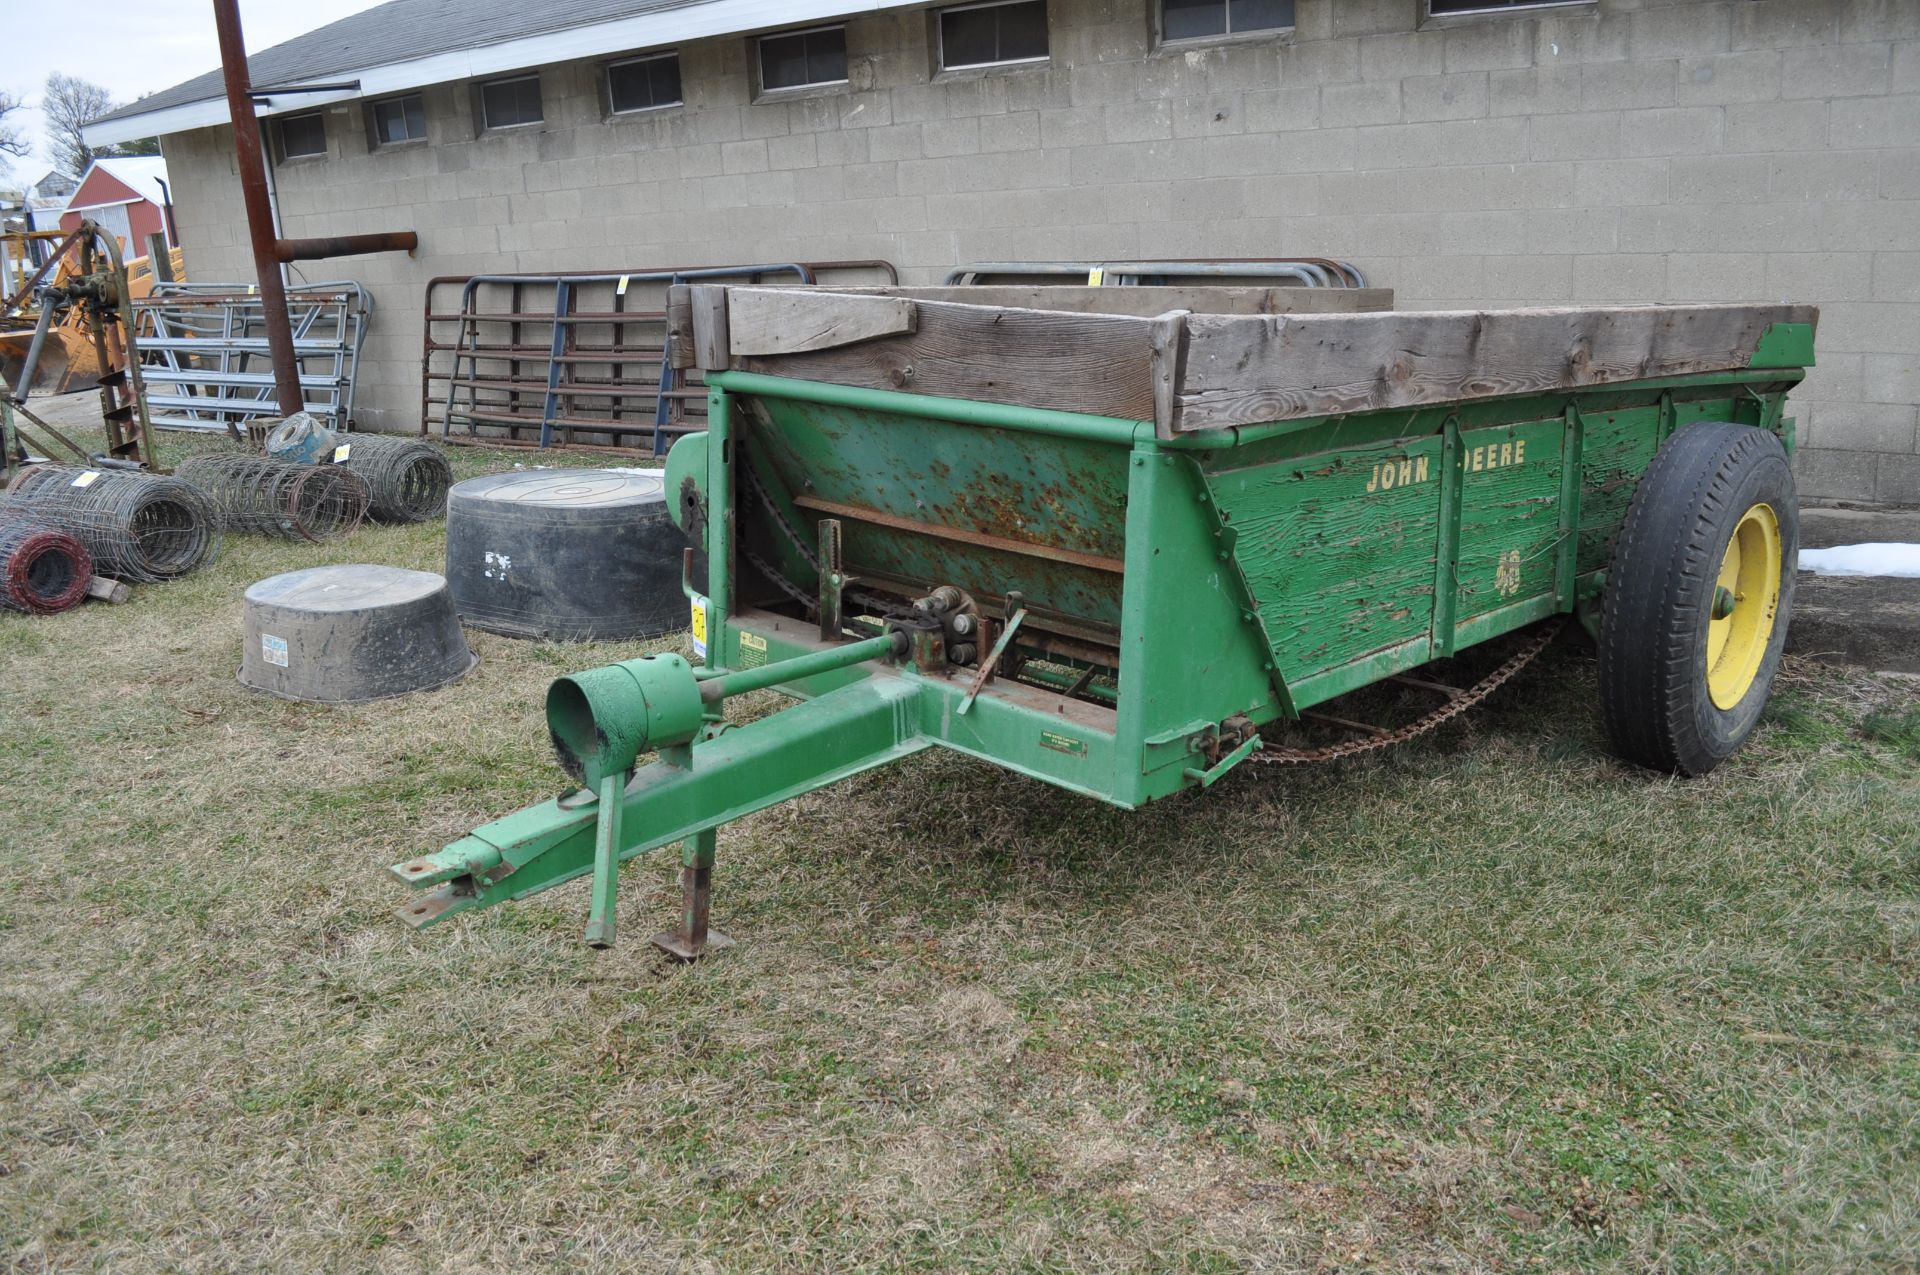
(1104, 536)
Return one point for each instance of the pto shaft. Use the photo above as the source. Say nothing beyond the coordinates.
(803, 666)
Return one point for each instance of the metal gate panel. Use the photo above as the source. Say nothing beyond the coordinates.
(207, 365)
(574, 360)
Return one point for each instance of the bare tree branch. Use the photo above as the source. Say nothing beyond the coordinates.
(70, 103)
(12, 141)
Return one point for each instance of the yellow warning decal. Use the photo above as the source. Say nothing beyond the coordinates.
(698, 626)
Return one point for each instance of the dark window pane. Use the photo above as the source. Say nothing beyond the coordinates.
(806, 57)
(505, 103)
(639, 86)
(400, 119)
(984, 35)
(783, 61)
(665, 74)
(968, 37)
(1023, 30)
(303, 135)
(627, 87)
(1259, 15)
(621, 89)
(1190, 19)
(826, 56)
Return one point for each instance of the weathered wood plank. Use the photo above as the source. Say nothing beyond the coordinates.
(680, 326)
(1146, 302)
(1169, 342)
(1245, 370)
(107, 589)
(1099, 364)
(708, 307)
(793, 321)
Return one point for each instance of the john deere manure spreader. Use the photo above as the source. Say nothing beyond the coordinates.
(1104, 549)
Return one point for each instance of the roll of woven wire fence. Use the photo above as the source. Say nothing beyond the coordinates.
(278, 498)
(137, 526)
(42, 570)
(408, 479)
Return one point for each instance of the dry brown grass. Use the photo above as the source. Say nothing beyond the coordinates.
(1491, 1002)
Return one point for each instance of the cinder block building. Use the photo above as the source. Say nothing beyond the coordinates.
(1466, 153)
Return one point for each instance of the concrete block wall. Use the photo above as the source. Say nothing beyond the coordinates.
(1625, 151)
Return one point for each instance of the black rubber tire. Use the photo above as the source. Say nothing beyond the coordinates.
(1659, 596)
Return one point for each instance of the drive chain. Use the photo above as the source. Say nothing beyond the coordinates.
(1454, 706)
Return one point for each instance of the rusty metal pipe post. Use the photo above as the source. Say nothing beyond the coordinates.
(344, 245)
(695, 937)
(269, 250)
(253, 190)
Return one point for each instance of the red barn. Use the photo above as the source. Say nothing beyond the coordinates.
(128, 196)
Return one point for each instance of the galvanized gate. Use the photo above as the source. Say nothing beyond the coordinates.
(207, 366)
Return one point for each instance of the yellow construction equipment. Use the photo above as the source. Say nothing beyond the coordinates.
(90, 294)
(70, 358)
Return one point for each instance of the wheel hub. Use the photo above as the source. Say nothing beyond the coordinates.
(1746, 603)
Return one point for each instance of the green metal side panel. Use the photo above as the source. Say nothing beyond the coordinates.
(1192, 654)
(1062, 498)
(1615, 451)
(1785, 345)
(1619, 445)
(1338, 549)
(1373, 554)
(687, 468)
(1509, 516)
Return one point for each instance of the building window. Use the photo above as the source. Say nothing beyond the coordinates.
(642, 84)
(993, 33)
(1200, 19)
(303, 136)
(511, 103)
(797, 59)
(1445, 8)
(399, 119)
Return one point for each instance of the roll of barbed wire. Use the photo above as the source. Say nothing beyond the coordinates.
(137, 526)
(408, 479)
(43, 570)
(278, 498)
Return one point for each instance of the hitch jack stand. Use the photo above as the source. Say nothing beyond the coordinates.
(692, 940)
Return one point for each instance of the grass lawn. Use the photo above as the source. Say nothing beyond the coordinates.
(1492, 1001)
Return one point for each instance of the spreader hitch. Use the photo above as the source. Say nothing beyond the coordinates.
(601, 720)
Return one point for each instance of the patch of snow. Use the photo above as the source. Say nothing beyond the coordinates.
(1878, 559)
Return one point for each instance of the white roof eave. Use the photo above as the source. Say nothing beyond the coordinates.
(641, 31)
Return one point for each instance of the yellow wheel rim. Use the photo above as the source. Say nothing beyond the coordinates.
(1744, 606)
